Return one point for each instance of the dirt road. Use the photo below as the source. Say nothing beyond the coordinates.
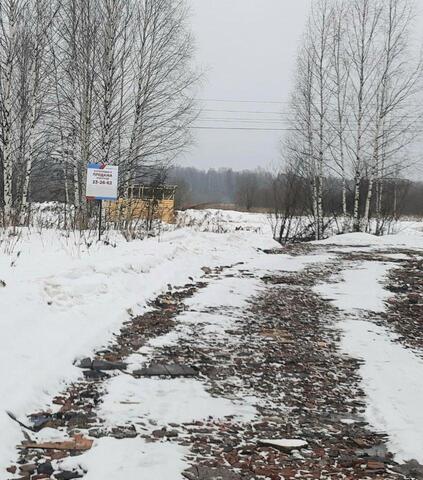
(202, 384)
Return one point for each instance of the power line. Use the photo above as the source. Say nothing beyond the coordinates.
(242, 111)
(274, 102)
(244, 128)
(404, 116)
(415, 122)
(241, 101)
(238, 119)
(269, 129)
(252, 120)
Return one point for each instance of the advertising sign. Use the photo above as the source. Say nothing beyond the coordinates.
(102, 181)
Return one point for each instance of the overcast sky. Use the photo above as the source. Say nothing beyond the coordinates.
(247, 50)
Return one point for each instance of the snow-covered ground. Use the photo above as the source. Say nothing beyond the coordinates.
(359, 288)
(225, 221)
(160, 403)
(131, 458)
(64, 296)
(390, 373)
(63, 300)
(407, 234)
(392, 381)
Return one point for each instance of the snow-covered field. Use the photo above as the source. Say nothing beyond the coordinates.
(63, 299)
(226, 221)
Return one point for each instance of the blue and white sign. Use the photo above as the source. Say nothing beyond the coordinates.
(102, 181)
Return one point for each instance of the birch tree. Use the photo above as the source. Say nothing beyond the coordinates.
(398, 79)
(115, 76)
(162, 104)
(34, 86)
(311, 103)
(339, 115)
(10, 25)
(91, 81)
(77, 62)
(351, 107)
(363, 53)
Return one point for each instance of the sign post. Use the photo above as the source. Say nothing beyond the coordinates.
(100, 216)
(102, 184)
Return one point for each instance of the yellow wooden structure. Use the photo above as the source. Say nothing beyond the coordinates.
(144, 202)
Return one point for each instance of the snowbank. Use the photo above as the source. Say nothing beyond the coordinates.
(409, 234)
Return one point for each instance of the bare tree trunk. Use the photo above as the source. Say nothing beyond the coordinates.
(310, 105)
(373, 171)
(363, 53)
(9, 17)
(107, 80)
(315, 208)
(356, 213)
(341, 75)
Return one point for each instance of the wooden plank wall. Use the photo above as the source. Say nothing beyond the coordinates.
(136, 208)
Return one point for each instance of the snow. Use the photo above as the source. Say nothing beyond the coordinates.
(391, 379)
(66, 295)
(226, 292)
(408, 235)
(227, 220)
(164, 401)
(130, 458)
(286, 443)
(50, 435)
(198, 322)
(359, 288)
(390, 373)
(287, 263)
(229, 294)
(164, 340)
(359, 239)
(63, 300)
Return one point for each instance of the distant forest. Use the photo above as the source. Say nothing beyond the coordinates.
(257, 189)
(247, 189)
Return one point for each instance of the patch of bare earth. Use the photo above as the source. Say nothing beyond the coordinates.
(405, 309)
(287, 356)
